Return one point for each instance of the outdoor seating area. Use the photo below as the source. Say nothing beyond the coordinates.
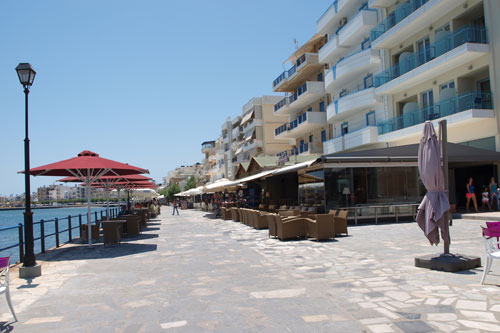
(288, 223)
(129, 224)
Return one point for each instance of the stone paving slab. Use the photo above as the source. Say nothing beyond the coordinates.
(195, 274)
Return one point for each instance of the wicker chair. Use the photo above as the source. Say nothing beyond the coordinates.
(321, 228)
(226, 213)
(260, 220)
(243, 215)
(290, 228)
(341, 223)
(234, 214)
(334, 212)
(289, 212)
(271, 224)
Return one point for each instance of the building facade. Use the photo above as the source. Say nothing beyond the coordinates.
(305, 101)
(392, 65)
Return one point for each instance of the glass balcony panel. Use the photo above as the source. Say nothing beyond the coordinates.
(465, 34)
(467, 101)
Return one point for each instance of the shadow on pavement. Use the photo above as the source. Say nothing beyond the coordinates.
(98, 251)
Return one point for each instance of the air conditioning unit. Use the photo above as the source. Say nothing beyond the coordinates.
(342, 22)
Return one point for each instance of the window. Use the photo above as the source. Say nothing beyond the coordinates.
(322, 106)
(343, 92)
(428, 105)
(320, 76)
(365, 44)
(310, 138)
(344, 128)
(323, 135)
(310, 109)
(445, 28)
(424, 50)
(368, 81)
(450, 84)
(370, 119)
(427, 98)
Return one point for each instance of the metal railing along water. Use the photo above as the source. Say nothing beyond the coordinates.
(465, 34)
(59, 228)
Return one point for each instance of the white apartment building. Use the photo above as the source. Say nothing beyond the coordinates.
(351, 65)
(439, 63)
(395, 64)
(305, 101)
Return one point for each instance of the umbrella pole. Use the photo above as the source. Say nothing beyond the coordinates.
(444, 151)
(89, 214)
(107, 202)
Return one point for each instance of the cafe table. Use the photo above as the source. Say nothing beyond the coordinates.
(111, 231)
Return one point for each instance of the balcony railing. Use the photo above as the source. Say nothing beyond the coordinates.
(208, 146)
(300, 119)
(288, 73)
(281, 129)
(302, 89)
(467, 101)
(466, 34)
(281, 104)
(400, 13)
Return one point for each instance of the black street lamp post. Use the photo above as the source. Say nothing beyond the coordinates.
(26, 76)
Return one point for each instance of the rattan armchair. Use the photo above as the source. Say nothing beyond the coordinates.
(341, 223)
(323, 227)
(290, 228)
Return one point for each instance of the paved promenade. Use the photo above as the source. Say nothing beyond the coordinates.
(190, 273)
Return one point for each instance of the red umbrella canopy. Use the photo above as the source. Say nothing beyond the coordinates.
(124, 185)
(109, 179)
(87, 164)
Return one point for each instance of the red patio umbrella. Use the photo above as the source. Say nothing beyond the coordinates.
(88, 167)
(107, 182)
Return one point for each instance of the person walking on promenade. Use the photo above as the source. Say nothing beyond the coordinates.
(485, 198)
(176, 203)
(494, 193)
(471, 195)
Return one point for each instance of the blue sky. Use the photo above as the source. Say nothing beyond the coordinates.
(142, 82)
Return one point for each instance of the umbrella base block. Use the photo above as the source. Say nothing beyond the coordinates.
(30, 272)
(447, 262)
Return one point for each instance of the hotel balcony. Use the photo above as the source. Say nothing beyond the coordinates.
(348, 35)
(251, 124)
(352, 67)
(382, 3)
(409, 18)
(251, 103)
(252, 144)
(359, 137)
(281, 132)
(333, 14)
(466, 108)
(303, 68)
(306, 94)
(349, 104)
(306, 122)
(457, 48)
(208, 147)
(236, 132)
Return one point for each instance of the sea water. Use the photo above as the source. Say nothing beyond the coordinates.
(12, 218)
